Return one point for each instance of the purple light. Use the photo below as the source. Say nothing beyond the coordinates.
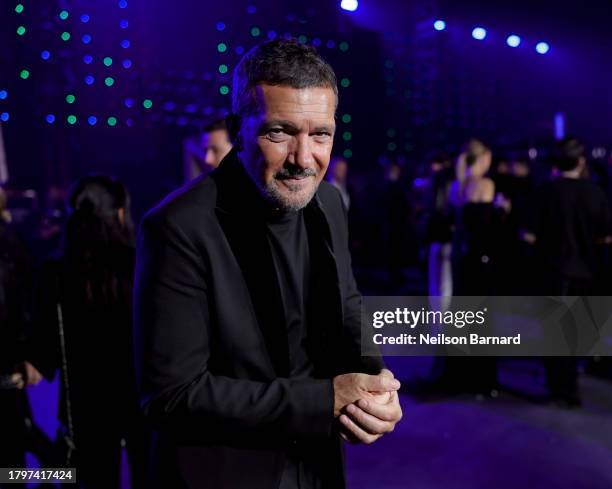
(123, 4)
(125, 44)
(50, 118)
(86, 38)
(350, 5)
(87, 59)
(439, 25)
(513, 41)
(251, 9)
(124, 24)
(45, 55)
(3, 94)
(479, 33)
(330, 44)
(127, 64)
(89, 80)
(92, 119)
(129, 103)
(220, 26)
(4, 117)
(271, 35)
(84, 18)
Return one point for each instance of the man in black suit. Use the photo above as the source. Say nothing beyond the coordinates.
(247, 316)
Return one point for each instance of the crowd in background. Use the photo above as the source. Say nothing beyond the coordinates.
(477, 223)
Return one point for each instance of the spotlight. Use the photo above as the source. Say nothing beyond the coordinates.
(92, 119)
(4, 117)
(479, 33)
(45, 55)
(513, 41)
(350, 5)
(3, 94)
(89, 80)
(542, 47)
(50, 118)
(439, 25)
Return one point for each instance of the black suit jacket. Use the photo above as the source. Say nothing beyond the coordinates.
(211, 342)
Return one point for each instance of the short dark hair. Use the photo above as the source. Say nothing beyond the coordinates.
(216, 125)
(568, 153)
(279, 62)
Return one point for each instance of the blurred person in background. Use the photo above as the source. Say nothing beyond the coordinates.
(204, 153)
(440, 228)
(397, 223)
(480, 218)
(15, 372)
(571, 220)
(83, 329)
(337, 175)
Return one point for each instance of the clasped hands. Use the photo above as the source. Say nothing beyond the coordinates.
(367, 406)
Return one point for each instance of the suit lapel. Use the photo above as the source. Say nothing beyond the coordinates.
(240, 215)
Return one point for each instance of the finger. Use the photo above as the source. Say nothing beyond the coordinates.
(356, 431)
(392, 411)
(367, 422)
(387, 373)
(380, 383)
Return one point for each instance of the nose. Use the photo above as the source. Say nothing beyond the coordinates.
(301, 153)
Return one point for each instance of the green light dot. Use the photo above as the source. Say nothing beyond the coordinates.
(347, 153)
(71, 119)
(303, 39)
(343, 46)
(111, 121)
(224, 89)
(63, 14)
(109, 81)
(19, 8)
(65, 36)
(345, 82)
(147, 103)
(21, 30)
(221, 47)
(255, 31)
(70, 98)
(107, 61)
(346, 118)
(25, 74)
(347, 136)
(391, 133)
(391, 146)
(223, 69)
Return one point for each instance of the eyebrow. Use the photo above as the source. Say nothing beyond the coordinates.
(291, 127)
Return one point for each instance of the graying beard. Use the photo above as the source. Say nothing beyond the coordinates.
(277, 198)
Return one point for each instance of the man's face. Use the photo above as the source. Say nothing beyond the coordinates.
(287, 143)
(216, 145)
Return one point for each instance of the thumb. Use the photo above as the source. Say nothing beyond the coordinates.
(387, 373)
(381, 383)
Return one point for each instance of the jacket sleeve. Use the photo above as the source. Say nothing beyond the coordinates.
(173, 347)
(364, 356)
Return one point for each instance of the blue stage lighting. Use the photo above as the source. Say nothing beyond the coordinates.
(127, 64)
(122, 4)
(125, 44)
(87, 59)
(50, 118)
(89, 80)
(513, 41)
(45, 55)
(3, 94)
(124, 24)
(479, 33)
(439, 25)
(542, 47)
(86, 38)
(84, 18)
(220, 26)
(350, 5)
(92, 119)
(4, 117)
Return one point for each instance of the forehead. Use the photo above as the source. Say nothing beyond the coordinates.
(283, 102)
(215, 137)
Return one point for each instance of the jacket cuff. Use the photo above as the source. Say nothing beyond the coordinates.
(313, 408)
